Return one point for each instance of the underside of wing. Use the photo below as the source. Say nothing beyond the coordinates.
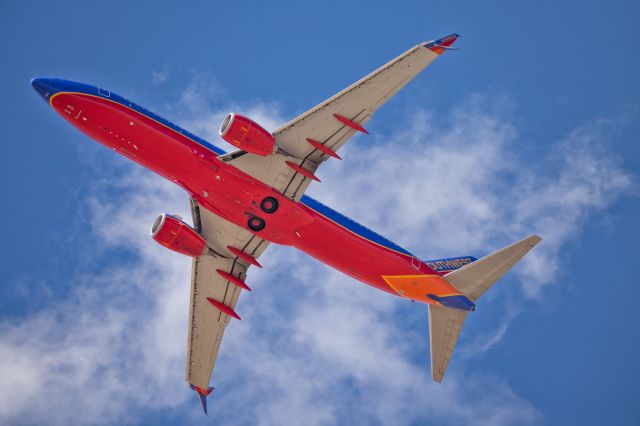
(316, 135)
(207, 323)
(217, 280)
(325, 123)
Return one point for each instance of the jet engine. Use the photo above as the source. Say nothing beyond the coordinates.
(247, 135)
(176, 235)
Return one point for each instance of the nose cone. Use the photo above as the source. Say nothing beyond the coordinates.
(46, 87)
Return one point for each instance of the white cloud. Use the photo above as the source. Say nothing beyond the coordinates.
(461, 186)
(313, 345)
(115, 341)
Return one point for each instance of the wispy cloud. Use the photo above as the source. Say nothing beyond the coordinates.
(200, 111)
(160, 76)
(115, 340)
(462, 185)
(481, 343)
(312, 344)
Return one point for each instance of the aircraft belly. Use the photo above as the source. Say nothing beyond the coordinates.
(351, 254)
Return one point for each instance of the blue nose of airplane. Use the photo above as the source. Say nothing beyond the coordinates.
(45, 87)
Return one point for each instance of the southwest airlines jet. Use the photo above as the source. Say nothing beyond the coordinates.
(244, 200)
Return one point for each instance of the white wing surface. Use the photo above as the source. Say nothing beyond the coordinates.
(207, 323)
(319, 133)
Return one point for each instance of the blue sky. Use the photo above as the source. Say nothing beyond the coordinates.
(531, 127)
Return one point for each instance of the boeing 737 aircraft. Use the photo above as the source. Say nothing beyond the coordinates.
(244, 200)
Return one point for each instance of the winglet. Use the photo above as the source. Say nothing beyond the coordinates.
(442, 44)
(203, 394)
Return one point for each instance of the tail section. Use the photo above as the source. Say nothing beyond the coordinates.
(473, 280)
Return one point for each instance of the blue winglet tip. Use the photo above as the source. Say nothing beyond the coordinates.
(203, 402)
(443, 43)
(202, 394)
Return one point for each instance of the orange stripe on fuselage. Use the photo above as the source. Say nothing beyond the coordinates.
(417, 287)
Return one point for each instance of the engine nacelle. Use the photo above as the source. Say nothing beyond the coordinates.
(247, 135)
(176, 235)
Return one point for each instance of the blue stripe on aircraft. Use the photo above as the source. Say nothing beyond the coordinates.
(460, 302)
(350, 224)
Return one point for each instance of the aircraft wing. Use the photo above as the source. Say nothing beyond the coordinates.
(206, 322)
(317, 134)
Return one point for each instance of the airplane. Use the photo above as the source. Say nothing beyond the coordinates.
(244, 200)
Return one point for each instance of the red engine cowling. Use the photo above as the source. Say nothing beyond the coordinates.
(176, 235)
(247, 135)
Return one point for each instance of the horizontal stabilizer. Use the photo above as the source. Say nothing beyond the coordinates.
(472, 280)
(475, 278)
(444, 328)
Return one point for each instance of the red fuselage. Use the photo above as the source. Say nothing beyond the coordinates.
(235, 196)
